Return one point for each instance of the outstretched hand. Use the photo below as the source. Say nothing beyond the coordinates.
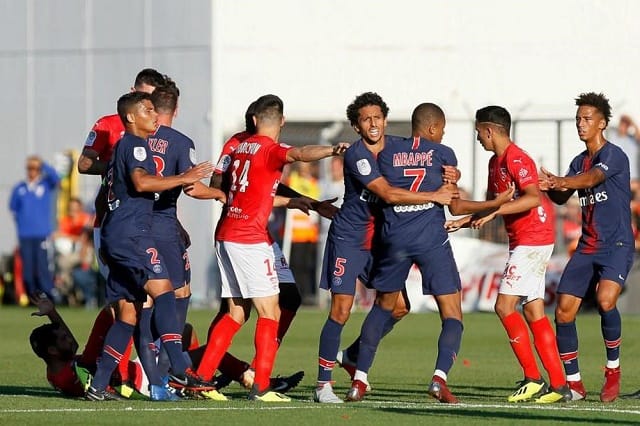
(198, 172)
(445, 194)
(340, 148)
(325, 208)
(451, 174)
(506, 195)
(44, 304)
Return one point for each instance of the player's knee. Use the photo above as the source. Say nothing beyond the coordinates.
(340, 315)
(606, 304)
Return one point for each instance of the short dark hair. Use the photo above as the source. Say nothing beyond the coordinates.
(150, 77)
(363, 100)
(268, 108)
(426, 114)
(128, 101)
(42, 338)
(249, 125)
(597, 100)
(496, 115)
(165, 98)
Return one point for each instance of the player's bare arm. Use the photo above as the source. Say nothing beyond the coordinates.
(200, 191)
(393, 195)
(145, 182)
(316, 152)
(47, 308)
(560, 189)
(461, 206)
(325, 208)
(529, 199)
(89, 164)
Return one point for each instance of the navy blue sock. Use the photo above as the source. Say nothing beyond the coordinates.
(146, 348)
(370, 336)
(611, 325)
(328, 348)
(182, 305)
(567, 338)
(448, 344)
(354, 348)
(170, 334)
(115, 344)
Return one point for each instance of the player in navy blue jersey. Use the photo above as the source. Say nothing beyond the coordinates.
(415, 164)
(604, 254)
(173, 154)
(347, 252)
(136, 268)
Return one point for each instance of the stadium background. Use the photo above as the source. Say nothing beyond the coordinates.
(64, 64)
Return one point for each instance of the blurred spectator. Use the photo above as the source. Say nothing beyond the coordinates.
(32, 206)
(627, 137)
(304, 232)
(70, 253)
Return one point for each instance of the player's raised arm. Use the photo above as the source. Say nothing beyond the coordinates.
(316, 152)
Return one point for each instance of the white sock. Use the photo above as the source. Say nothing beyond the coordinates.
(362, 376)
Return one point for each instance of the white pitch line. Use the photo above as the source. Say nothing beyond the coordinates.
(309, 405)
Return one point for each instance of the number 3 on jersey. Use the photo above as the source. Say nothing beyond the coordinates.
(242, 181)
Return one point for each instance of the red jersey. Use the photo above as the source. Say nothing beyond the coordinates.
(255, 169)
(66, 380)
(531, 228)
(104, 135)
(229, 146)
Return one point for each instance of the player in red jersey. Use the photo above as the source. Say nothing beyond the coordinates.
(68, 371)
(245, 255)
(529, 222)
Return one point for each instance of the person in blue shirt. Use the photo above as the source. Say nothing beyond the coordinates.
(31, 204)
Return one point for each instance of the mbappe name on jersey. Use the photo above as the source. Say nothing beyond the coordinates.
(403, 159)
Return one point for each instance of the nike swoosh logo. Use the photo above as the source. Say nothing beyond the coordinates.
(621, 277)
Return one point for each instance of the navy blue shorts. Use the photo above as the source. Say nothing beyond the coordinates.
(341, 265)
(584, 270)
(176, 260)
(132, 262)
(437, 266)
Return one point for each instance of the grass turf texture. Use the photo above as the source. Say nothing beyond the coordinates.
(483, 376)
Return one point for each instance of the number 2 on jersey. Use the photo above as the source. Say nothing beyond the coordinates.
(242, 180)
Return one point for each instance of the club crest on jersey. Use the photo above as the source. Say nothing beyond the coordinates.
(192, 155)
(139, 153)
(91, 138)
(336, 281)
(157, 269)
(364, 168)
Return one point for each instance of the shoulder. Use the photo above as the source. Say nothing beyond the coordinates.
(108, 122)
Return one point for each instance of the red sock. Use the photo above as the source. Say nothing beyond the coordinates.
(123, 365)
(521, 344)
(218, 343)
(215, 321)
(266, 343)
(95, 342)
(545, 342)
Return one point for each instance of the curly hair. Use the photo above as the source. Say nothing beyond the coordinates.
(597, 100)
(363, 100)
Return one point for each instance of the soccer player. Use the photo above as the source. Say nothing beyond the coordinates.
(347, 252)
(99, 145)
(289, 298)
(173, 154)
(67, 371)
(416, 163)
(604, 255)
(245, 255)
(136, 268)
(529, 222)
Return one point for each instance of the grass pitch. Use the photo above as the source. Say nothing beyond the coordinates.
(484, 374)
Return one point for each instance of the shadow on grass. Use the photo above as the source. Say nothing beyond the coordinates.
(519, 416)
(29, 391)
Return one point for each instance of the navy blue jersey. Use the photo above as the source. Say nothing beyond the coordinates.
(354, 223)
(414, 164)
(606, 211)
(173, 153)
(130, 212)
